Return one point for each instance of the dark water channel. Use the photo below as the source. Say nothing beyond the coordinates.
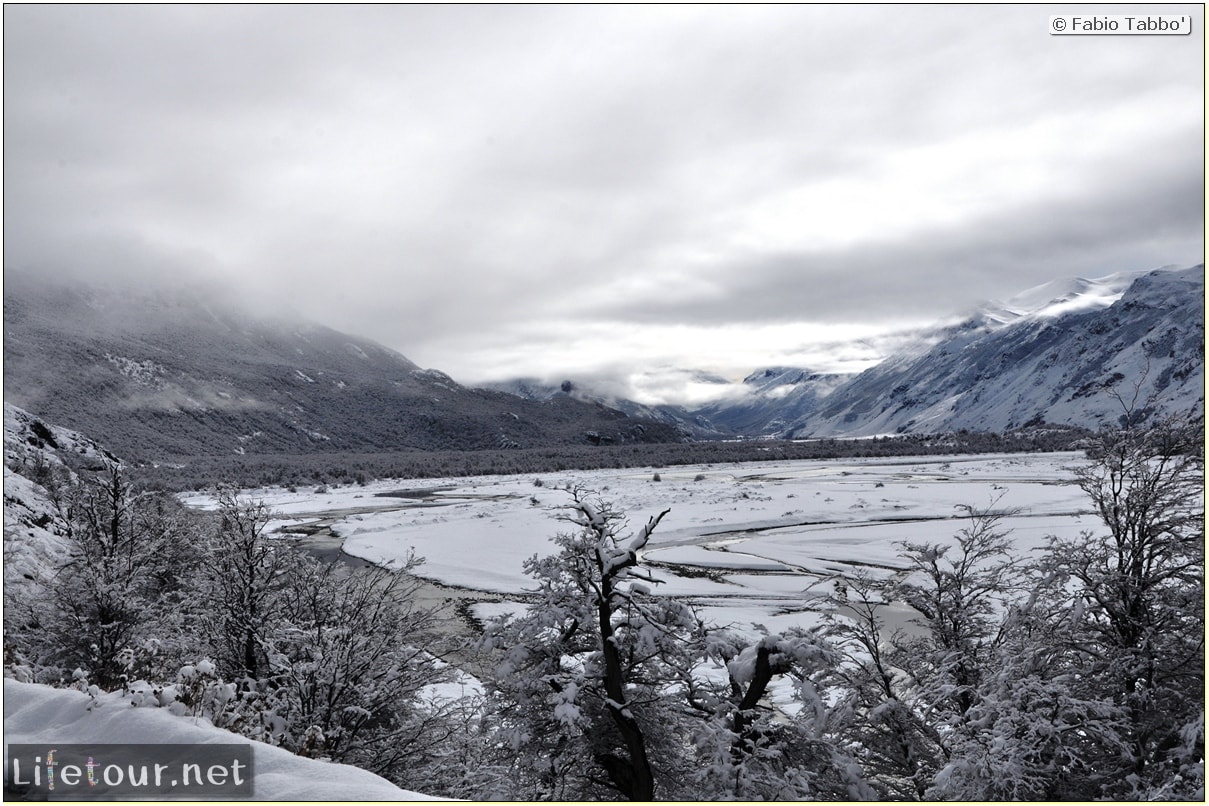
(450, 605)
(316, 537)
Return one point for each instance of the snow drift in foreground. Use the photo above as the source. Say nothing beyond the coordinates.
(37, 714)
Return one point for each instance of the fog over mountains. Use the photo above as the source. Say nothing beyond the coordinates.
(165, 371)
(161, 371)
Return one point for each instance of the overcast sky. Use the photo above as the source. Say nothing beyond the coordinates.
(562, 191)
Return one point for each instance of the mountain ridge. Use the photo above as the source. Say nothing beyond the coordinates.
(1061, 296)
(160, 372)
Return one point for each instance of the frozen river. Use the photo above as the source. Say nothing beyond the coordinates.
(746, 543)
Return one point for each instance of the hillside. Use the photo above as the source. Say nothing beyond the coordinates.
(173, 371)
(694, 424)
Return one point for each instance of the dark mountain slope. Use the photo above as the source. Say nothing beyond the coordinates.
(162, 372)
(689, 425)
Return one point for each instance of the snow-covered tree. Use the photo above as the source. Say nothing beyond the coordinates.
(604, 689)
(888, 730)
(1031, 734)
(912, 687)
(246, 574)
(1139, 594)
(1093, 685)
(749, 750)
(586, 693)
(209, 615)
(328, 660)
(961, 593)
(347, 661)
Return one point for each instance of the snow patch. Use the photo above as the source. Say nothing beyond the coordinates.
(144, 373)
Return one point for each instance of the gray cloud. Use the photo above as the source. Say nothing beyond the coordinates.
(1115, 227)
(444, 177)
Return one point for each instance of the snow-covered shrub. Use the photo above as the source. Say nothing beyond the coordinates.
(909, 689)
(120, 606)
(1076, 675)
(326, 659)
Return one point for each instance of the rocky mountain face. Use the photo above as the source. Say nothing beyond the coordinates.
(1080, 357)
(36, 456)
(168, 371)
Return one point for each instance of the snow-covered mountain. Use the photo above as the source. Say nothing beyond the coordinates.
(1067, 352)
(1072, 353)
(174, 372)
(763, 404)
(1059, 297)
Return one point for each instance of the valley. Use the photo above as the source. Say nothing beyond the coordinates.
(573, 403)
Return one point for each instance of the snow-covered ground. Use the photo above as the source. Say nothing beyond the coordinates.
(747, 543)
(41, 715)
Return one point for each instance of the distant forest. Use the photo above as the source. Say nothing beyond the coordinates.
(195, 473)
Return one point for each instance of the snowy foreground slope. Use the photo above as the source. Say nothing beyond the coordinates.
(34, 534)
(36, 714)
